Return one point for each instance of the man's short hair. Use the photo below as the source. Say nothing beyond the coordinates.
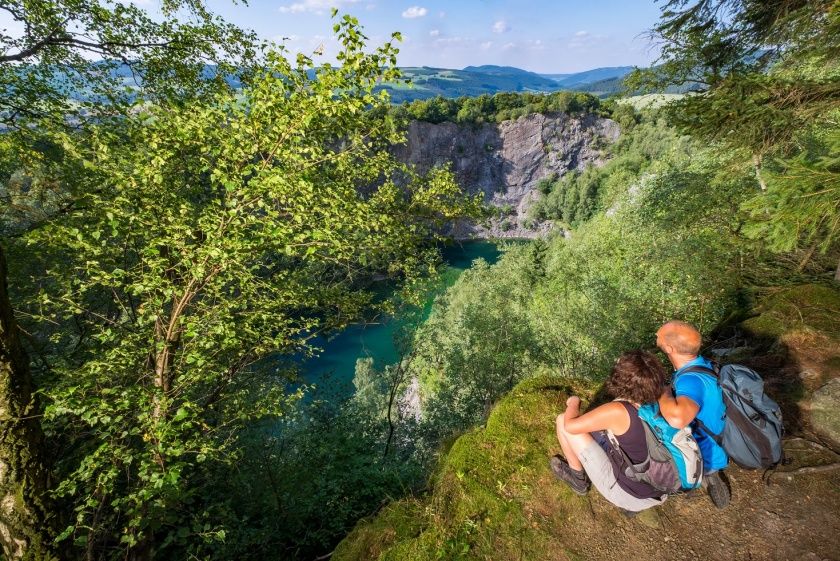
(683, 336)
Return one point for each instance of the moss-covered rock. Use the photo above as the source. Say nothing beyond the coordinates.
(487, 490)
(825, 412)
(810, 307)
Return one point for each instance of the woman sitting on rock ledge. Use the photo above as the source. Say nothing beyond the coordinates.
(638, 377)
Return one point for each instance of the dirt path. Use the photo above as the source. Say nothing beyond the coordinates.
(792, 518)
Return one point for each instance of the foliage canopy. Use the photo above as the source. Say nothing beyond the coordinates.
(208, 237)
(770, 72)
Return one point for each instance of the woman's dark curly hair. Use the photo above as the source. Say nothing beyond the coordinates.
(638, 376)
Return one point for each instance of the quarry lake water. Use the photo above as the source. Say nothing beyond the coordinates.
(332, 370)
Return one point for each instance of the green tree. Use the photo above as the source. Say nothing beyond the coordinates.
(476, 109)
(771, 81)
(476, 344)
(214, 235)
(83, 57)
(49, 81)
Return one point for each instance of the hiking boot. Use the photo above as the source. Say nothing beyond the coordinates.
(718, 489)
(577, 480)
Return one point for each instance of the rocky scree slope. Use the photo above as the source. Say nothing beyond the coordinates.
(494, 497)
(505, 161)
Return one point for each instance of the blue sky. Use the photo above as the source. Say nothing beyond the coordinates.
(546, 36)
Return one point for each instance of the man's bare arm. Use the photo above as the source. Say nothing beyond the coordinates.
(679, 411)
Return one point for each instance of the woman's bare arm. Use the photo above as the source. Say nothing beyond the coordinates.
(610, 416)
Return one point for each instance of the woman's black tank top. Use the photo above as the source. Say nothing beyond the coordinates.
(633, 441)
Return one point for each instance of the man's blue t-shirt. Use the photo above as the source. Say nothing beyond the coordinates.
(704, 390)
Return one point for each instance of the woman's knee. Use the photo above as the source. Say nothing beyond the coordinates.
(560, 423)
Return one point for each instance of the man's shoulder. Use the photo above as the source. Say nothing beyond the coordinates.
(688, 383)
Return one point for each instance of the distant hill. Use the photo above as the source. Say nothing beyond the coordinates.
(495, 70)
(602, 88)
(555, 77)
(590, 76)
(426, 82)
(611, 86)
(429, 82)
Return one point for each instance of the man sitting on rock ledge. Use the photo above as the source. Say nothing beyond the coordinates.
(695, 395)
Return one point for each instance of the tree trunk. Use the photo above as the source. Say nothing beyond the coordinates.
(25, 517)
(169, 334)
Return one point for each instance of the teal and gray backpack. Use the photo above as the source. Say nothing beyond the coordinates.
(673, 464)
(752, 434)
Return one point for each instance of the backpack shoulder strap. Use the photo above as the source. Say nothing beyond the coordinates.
(718, 438)
(714, 371)
(700, 369)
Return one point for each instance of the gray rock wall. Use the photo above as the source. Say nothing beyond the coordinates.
(505, 162)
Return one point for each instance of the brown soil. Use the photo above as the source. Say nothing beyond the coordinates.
(791, 518)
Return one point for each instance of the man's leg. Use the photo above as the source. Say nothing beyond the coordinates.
(717, 487)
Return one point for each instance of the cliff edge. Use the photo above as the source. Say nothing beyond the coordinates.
(494, 497)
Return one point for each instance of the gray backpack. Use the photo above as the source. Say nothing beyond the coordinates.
(752, 434)
(673, 463)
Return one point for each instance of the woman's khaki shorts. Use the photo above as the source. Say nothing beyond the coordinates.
(600, 471)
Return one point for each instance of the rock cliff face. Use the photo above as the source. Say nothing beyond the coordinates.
(505, 162)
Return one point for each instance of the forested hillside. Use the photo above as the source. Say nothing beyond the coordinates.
(473, 81)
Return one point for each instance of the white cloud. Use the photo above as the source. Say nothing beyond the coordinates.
(415, 12)
(585, 40)
(318, 7)
(501, 26)
(443, 41)
(486, 45)
(434, 32)
(508, 46)
(535, 44)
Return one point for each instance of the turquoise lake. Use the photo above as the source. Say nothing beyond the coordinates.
(332, 370)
